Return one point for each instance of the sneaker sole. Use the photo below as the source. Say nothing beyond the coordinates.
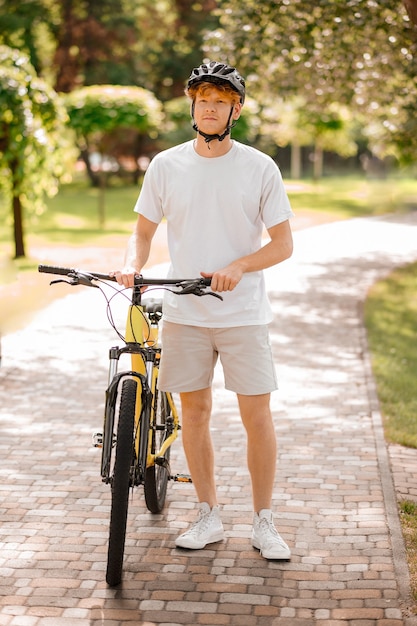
(285, 556)
(199, 546)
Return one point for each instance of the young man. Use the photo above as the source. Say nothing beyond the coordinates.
(217, 196)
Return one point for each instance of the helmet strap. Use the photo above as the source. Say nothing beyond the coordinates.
(210, 137)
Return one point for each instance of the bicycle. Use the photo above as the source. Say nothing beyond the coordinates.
(140, 422)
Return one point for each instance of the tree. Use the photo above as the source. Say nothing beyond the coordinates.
(411, 6)
(77, 43)
(170, 42)
(33, 145)
(362, 54)
(20, 27)
(116, 123)
(290, 122)
(94, 43)
(98, 112)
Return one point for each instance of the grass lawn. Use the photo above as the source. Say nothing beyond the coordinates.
(391, 322)
(354, 197)
(408, 516)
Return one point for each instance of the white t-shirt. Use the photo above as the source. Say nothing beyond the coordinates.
(216, 210)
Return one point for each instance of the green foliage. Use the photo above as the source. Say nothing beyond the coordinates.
(362, 55)
(33, 146)
(178, 126)
(391, 320)
(103, 108)
(123, 42)
(358, 56)
(20, 23)
(292, 122)
(95, 43)
(170, 42)
(115, 121)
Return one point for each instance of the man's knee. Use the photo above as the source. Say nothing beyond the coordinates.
(196, 405)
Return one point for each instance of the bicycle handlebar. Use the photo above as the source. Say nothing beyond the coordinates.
(80, 277)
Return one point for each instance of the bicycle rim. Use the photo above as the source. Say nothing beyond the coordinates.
(124, 457)
(157, 476)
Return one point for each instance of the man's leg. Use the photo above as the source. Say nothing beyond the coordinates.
(198, 448)
(262, 447)
(197, 443)
(262, 452)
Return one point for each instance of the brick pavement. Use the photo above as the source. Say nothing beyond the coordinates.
(334, 495)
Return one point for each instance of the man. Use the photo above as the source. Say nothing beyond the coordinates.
(217, 196)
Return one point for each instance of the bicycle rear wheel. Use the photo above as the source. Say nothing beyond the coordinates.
(121, 482)
(157, 476)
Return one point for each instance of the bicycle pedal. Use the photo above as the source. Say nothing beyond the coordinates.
(98, 440)
(181, 478)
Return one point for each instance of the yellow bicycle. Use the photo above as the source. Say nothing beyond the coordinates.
(140, 421)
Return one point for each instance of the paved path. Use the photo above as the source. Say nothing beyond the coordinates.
(334, 495)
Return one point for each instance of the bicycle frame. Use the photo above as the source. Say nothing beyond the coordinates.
(142, 345)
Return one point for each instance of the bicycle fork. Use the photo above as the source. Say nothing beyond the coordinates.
(107, 439)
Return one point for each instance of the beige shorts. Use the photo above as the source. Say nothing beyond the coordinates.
(189, 354)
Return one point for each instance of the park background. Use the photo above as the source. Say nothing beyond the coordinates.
(91, 91)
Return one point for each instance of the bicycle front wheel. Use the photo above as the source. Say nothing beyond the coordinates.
(157, 476)
(121, 482)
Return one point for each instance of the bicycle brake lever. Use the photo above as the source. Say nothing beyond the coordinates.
(196, 290)
(211, 293)
(60, 280)
(76, 279)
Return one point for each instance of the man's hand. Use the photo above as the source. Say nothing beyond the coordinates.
(225, 279)
(126, 276)
(275, 251)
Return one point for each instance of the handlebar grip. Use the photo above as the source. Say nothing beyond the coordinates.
(65, 271)
(50, 269)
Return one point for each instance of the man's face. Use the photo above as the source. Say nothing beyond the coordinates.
(212, 109)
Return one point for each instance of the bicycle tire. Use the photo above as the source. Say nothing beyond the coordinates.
(157, 476)
(121, 482)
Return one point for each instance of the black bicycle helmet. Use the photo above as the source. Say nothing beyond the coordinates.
(220, 74)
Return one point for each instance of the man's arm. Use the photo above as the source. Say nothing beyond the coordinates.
(137, 252)
(278, 249)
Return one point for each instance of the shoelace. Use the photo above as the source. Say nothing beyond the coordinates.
(199, 525)
(267, 527)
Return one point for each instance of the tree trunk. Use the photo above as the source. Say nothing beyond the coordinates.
(17, 214)
(18, 228)
(102, 200)
(411, 7)
(295, 161)
(317, 162)
(93, 176)
(66, 62)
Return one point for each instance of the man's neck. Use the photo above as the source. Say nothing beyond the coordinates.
(213, 149)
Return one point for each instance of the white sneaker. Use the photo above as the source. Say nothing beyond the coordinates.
(266, 538)
(207, 529)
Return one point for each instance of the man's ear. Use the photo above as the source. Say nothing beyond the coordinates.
(237, 110)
